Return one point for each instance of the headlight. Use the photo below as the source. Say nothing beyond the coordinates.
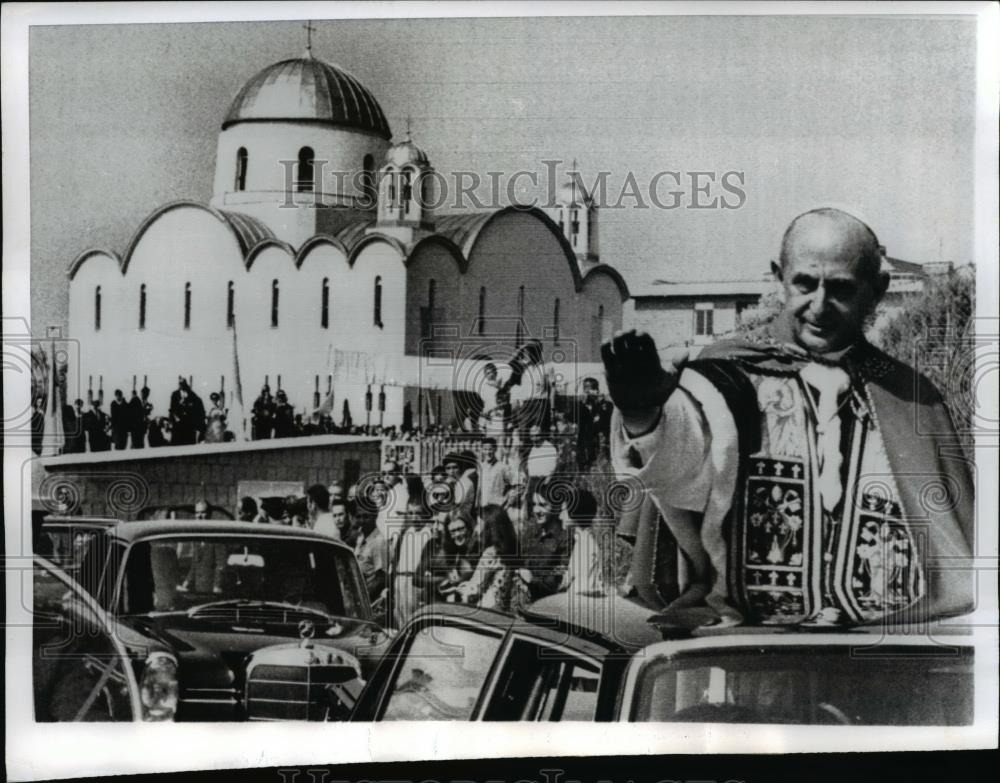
(158, 688)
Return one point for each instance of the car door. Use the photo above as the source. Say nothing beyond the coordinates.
(438, 669)
(81, 671)
(540, 681)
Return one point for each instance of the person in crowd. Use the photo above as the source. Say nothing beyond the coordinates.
(187, 415)
(416, 536)
(318, 501)
(271, 511)
(136, 421)
(584, 572)
(497, 581)
(284, 416)
(351, 500)
(342, 521)
(159, 432)
(247, 511)
(336, 490)
(768, 457)
(495, 477)
(296, 513)
(542, 454)
(76, 437)
(545, 543)
(119, 420)
(217, 410)
(460, 469)
(207, 561)
(262, 415)
(449, 562)
(593, 425)
(397, 497)
(95, 424)
(372, 553)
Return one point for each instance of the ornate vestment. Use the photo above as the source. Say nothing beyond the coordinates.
(801, 489)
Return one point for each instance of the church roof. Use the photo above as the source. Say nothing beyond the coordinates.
(249, 230)
(462, 228)
(306, 89)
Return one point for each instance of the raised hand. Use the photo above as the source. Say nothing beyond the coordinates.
(638, 383)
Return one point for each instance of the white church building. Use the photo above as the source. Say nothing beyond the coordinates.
(345, 284)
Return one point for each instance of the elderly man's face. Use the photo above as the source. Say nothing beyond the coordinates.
(829, 291)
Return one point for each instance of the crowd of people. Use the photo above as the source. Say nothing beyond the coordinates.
(474, 530)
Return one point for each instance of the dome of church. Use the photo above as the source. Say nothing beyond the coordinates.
(406, 152)
(308, 90)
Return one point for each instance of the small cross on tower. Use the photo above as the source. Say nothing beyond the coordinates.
(309, 31)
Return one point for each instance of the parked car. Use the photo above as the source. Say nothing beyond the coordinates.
(81, 669)
(265, 622)
(599, 659)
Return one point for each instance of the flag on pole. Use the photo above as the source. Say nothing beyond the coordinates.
(239, 413)
(52, 444)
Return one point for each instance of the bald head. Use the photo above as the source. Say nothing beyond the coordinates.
(830, 269)
(835, 234)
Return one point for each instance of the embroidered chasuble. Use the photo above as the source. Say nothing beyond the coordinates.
(803, 490)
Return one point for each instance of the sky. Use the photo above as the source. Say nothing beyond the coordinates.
(874, 113)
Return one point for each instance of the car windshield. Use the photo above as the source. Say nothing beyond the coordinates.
(226, 574)
(882, 685)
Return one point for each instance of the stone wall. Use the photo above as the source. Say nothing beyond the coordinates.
(123, 483)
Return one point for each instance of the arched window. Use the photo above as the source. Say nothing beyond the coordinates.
(142, 306)
(555, 320)
(378, 302)
(230, 305)
(304, 182)
(97, 309)
(324, 312)
(482, 309)
(391, 176)
(407, 190)
(274, 303)
(368, 181)
(241, 168)
(187, 305)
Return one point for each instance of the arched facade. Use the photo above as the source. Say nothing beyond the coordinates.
(262, 273)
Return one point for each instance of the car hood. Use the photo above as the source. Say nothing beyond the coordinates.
(212, 654)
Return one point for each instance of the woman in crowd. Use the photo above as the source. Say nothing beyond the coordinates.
(449, 563)
(497, 582)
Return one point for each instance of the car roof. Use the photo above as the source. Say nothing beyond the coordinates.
(81, 521)
(133, 531)
(538, 625)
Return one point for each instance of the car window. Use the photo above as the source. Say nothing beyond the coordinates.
(441, 674)
(540, 683)
(79, 672)
(901, 686)
(92, 564)
(235, 573)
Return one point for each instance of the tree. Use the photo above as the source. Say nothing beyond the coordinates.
(932, 332)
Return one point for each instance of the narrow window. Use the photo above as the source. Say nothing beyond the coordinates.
(187, 305)
(378, 301)
(142, 306)
(520, 315)
(407, 191)
(575, 226)
(274, 303)
(305, 172)
(97, 309)
(482, 309)
(555, 320)
(241, 169)
(562, 220)
(368, 181)
(324, 317)
(230, 305)
(391, 175)
(431, 291)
